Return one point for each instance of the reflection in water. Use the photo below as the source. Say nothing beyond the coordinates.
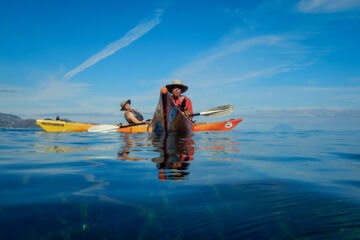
(176, 151)
(95, 183)
(59, 148)
(124, 152)
(131, 142)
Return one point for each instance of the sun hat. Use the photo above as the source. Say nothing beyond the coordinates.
(176, 84)
(123, 103)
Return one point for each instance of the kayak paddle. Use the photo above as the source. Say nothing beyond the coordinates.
(216, 111)
(110, 128)
(103, 128)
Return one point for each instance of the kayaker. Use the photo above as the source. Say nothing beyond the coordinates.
(132, 116)
(176, 88)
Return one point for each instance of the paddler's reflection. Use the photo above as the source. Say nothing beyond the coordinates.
(176, 152)
(124, 152)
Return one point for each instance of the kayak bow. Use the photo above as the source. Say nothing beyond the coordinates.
(168, 117)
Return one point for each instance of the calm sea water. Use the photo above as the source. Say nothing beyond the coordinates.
(218, 185)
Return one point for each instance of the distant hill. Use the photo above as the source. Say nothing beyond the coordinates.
(12, 121)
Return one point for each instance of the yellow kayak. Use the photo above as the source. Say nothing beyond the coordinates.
(63, 126)
(67, 126)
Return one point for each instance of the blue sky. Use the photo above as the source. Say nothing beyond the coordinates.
(82, 58)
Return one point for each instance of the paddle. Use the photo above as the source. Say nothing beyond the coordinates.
(216, 111)
(110, 128)
(212, 112)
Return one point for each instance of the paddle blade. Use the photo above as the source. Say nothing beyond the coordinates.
(218, 111)
(103, 128)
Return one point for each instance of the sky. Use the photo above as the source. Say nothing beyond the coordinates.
(289, 61)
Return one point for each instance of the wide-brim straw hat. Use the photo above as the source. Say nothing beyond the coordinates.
(176, 84)
(123, 103)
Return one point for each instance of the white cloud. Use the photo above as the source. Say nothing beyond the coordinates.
(53, 89)
(115, 46)
(244, 61)
(223, 51)
(58, 90)
(326, 6)
(267, 72)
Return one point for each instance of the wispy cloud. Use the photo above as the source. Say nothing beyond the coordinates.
(326, 6)
(115, 46)
(223, 51)
(58, 90)
(267, 72)
(227, 64)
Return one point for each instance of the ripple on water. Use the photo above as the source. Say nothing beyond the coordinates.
(350, 156)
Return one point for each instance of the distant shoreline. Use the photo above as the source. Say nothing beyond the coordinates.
(12, 121)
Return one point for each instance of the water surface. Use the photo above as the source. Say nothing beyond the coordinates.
(218, 185)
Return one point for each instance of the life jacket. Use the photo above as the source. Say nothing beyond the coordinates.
(185, 105)
(137, 115)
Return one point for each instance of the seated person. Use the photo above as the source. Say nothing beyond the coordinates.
(176, 88)
(132, 116)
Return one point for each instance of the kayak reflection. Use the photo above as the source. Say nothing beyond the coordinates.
(55, 148)
(176, 151)
(134, 142)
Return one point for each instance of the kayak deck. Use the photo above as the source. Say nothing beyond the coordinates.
(216, 126)
(63, 126)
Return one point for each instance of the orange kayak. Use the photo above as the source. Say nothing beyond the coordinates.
(197, 127)
(216, 126)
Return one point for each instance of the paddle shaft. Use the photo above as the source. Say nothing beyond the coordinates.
(131, 125)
